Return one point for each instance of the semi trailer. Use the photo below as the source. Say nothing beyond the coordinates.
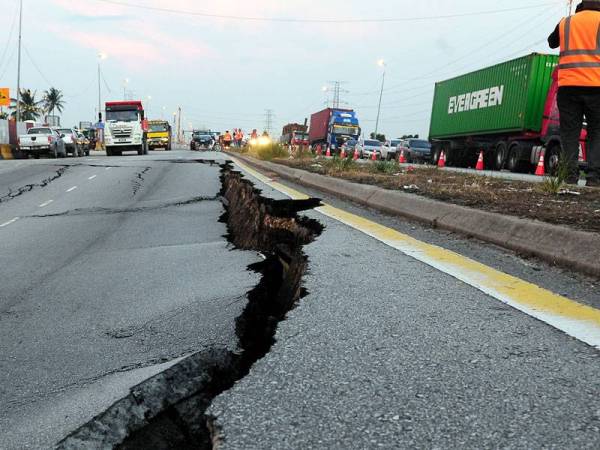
(508, 111)
(333, 127)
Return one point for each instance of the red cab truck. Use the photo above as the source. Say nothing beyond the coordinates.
(508, 110)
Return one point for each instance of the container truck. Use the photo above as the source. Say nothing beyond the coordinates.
(332, 127)
(295, 134)
(507, 110)
(125, 128)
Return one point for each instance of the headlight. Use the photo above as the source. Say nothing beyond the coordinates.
(264, 140)
(253, 142)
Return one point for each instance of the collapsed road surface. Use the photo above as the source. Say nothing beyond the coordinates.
(112, 270)
(130, 319)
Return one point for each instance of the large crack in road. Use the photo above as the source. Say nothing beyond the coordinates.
(168, 410)
(13, 193)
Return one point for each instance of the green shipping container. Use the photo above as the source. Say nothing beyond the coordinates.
(505, 98)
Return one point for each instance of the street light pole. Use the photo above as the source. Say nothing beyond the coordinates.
(101, 56)
(18, 106)
(381, 63)
(99, 94)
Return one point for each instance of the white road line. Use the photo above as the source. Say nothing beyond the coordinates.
(72, 189)
(5, 224)
(108, 168)
(46, 203)
(92, 177)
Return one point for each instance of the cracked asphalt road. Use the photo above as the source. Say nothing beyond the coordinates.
(110, 272)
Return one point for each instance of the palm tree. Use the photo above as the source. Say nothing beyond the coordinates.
(53, 99)
(30, 108)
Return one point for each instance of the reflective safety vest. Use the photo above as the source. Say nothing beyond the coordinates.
(580, 50)
(239, 136)
(227, 137)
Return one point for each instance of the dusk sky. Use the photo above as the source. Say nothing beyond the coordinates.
(225, 73)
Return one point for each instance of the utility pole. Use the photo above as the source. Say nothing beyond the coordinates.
(99, 94)
(380, 63)
(18, 106)
(269, 121)
(179, 125)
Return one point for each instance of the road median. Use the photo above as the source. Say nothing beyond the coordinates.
(556, 244)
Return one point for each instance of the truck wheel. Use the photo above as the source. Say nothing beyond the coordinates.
(552, 158)
(141, 151)
(500, 155)
(514, 162)
(435, 155)
(109, 151)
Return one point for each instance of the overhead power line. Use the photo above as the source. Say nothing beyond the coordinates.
(321, 20)
(10, 35)
(37, 68)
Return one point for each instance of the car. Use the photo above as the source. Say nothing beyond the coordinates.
(416, 150)
(367, 147)
(201, 141)
(71, 140)
(349, 146)
(42, 140)
(389, 151)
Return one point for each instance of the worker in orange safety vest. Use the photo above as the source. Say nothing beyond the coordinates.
(579, 86)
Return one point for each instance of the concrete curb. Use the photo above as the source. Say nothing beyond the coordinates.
(572, 249)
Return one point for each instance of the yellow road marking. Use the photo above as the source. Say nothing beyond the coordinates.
(577, 320)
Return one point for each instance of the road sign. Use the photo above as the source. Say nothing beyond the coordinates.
(4, 97)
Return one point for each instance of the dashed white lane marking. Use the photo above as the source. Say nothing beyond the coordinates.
(72, 189)
(108, 168)
(92, 177)
(46, 203)
(5, 224)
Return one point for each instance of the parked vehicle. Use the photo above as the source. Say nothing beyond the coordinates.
(202, 141)
(90, 135)
(84, 143)
(349, 146)
(42, 141)
(333, 127)
(159, 134)
(389, 151)
(125, 128)
(71, 140)
(294, 134)
(508, 110)
(367, 147)
(415, 150)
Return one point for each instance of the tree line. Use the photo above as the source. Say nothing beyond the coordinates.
(32, 109)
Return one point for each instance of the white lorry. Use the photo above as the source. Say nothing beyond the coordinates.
(125, 128)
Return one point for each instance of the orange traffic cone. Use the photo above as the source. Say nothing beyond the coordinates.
(328, 154)
(442, 160)
(402, 159)
(374, 156)
(343, 153)
(480, 161)
(356, 155)
(541, 167)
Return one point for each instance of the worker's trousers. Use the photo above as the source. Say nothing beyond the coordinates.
(574, 104)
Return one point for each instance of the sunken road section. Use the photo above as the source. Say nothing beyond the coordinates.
(168, 410)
